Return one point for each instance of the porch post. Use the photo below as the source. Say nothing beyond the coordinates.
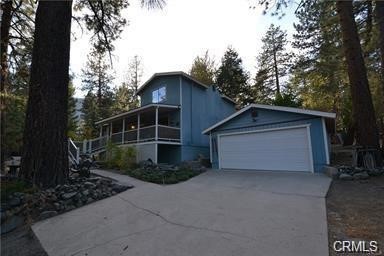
(138, 127)
(122, 132)
(157, 124)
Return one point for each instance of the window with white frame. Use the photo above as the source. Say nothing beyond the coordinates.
(159, 95)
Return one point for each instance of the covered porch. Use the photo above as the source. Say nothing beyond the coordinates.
(151, 123)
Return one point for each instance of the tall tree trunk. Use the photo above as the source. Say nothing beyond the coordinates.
(6, 18)
(362, 107)
(379, 13)
(45, 150)
(276, 73)
(5, 26)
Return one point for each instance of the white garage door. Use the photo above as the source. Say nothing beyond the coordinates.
(280, 150)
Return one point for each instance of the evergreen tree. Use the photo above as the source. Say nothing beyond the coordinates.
(91, 116)
(274, 60)
(98, 104)
(319, 74)
(125, 97)
(203, 69)
(232, 79)
(96, 77)
(362, 107)
(47, 114)
(72, 122)
(261, 93)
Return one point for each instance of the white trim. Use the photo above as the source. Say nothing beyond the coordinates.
(310, 148)
(307, 126)
(156, 142)
(138, 128)
(137, 110)
(172, 73)
(181, 109)
(267, 129)
(277, 108)
(326, 145)
(218, 151)
(157, 123)
(227, 98)
(170, 127)
(156, 152)
(210, 148)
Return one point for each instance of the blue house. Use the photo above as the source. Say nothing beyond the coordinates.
(167, 127)
(263, 137)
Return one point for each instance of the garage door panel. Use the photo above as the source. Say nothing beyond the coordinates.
(286, 149)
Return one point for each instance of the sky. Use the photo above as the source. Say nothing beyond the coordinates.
(169, 39)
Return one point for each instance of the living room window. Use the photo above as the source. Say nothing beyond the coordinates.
(159, 95)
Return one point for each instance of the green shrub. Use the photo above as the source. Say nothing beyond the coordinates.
(162, 177)
(10, 186)
(119, 157)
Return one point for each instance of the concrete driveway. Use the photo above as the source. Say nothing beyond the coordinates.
(217, 213)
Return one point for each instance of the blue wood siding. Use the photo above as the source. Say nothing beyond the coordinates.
(201, 108)
(275, 119)
(172, 90)
(193, 152)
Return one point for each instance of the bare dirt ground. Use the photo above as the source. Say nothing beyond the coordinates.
(355, 211)
(21, 242)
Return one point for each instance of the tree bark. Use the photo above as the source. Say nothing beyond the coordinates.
(45, 147)
(362, 107)
(6, 18)
(379, 13)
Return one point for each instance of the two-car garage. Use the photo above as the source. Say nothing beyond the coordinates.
(261, 137)
(276, 149)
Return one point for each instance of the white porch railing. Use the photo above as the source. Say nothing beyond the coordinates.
(144, 134)
(73, 152)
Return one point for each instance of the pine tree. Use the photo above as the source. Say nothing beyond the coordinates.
(318, 73)
(232, 79)
(203, 69)
(96, 77)
(261, 93)
(46, 119)
(362, 106)
(91, 116)
(72, 122)
(274, 60)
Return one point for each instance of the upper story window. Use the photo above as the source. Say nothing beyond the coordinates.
(159, 95)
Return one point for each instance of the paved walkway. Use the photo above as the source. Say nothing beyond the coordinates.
(215, 213)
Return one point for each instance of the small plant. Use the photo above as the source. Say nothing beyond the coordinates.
(163, 177)
(119, 157)
(9, 187)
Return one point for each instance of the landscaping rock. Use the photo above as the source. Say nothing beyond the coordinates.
(14, 201)
(375, 172)
(47, 214)
(89, 184)
(68, 195)
(361, 175)
(11, 223)
(331, 171)
(120, 188)
(50, 202)
(345, 176)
